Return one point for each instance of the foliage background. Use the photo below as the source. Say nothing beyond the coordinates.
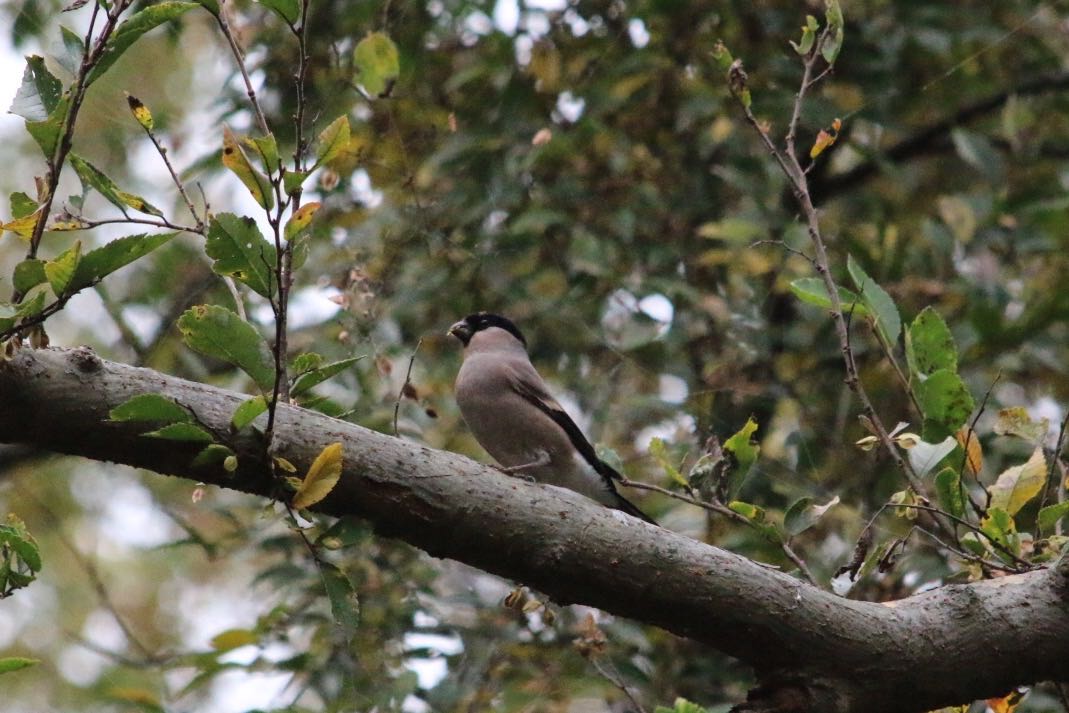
(624, 247)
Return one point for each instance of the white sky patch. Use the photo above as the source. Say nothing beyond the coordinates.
(548, 5)
(536, 24)
(636, 30)
(1048, 408)
(80, 666)
(578, 25)
(570, 107)
(672, 389)
(658, 307)
(361, 190)
(507, 16)
(307, 307)
(668, 430)
(479, 23)
(131, 517)
(236, 691)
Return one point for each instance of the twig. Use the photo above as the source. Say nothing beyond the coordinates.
(1023, 565)
(969, 435)
(1060, 488)
(239, 57)
(615, 679)
(405, 386)
(157, 223)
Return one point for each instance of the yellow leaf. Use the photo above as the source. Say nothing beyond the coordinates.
(974, 454)
(140, 112)
(1007, 703)
(23, 227)
(235, 159)
(1019, 484)
(824, 140)
(321, 478)
(300, 220)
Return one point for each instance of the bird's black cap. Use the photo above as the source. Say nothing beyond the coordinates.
(478, 321)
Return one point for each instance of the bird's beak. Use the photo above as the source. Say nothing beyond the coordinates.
(462, 331)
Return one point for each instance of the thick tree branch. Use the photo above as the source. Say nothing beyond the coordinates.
(812, 650)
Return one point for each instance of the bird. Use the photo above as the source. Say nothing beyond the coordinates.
(508, 408)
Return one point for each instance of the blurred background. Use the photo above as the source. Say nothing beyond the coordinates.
(581, 168)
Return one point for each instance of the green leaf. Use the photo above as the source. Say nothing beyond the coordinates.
(93, 177)
(151, 407)
(332, 141)
(758, 519)
(1050, 515)
(321, 478)
(1000, 527)
(744, 452)
(181, 432)
(233, 639)
(948, 490)
(247, 412)
(211, 454)
(833, 43)
(39, 94)
(977, 150)
(218, 332)
(240, 251)
(28, 274)
(235, 159)
(659, 451)
(14, 663)
(22, 205)
(292, 180)
(303, 363)
(46, 132)
(1019, 484)
(97, 264)
(267, 148)
(377, 64)
(300, 220)
(344, 602)
(309, 379)
(288, 10)
(73, 50)
(811, 291)
(60, 272)
(132, 29)
(681, 705)
(803, 514)
(946, 404)
(878, 302)
(930, 345)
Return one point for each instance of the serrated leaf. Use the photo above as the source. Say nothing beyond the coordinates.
(948, 490)
(211, 454)
(946, 404)
(151, 407)
(247, 412)
(803, 514)
(60, 272)
(218, 332)
(46, 132)
(377, 64)
(811, 291)
(930, 345)
(235, 159)
(131, 30)
(240, 251)
(301, 219)
(332, 141)
(744, 453)
(93, 177)
(659, 451)
(1019, 484)
(322, 476)
(28, 274)
(882, 308)
(233, 639)
(14, 663)
(306, 381)
(1049, 516)
(101, 262)
(344, 602)
(288, 10)
(1015, 421)
(38, 94)
(181, 432)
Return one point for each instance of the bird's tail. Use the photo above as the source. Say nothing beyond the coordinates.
(624, 505)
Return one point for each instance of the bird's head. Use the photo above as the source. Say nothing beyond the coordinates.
(478, 322)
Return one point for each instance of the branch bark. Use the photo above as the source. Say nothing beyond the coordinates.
(811, 649)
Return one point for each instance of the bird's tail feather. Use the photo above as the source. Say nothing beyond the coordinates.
(624, 505)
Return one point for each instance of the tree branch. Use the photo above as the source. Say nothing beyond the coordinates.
(810, 647)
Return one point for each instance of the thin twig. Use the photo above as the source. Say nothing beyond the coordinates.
(1060, 487)
(970, 434)
(405, 386)
(239, 57)
(616, 680)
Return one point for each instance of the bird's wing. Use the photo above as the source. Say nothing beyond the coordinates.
(527, 383)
